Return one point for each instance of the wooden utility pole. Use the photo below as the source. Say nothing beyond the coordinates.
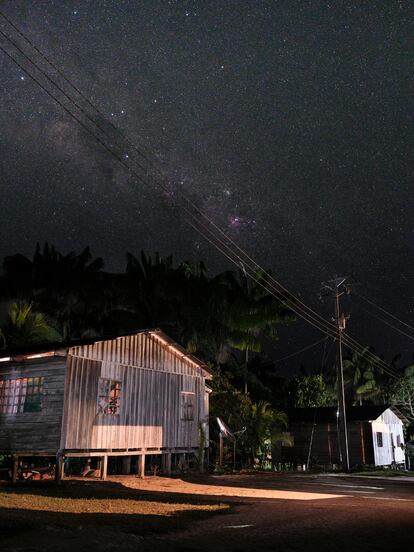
(337, 289)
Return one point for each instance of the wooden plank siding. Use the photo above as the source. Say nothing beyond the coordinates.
(153, 374)
(325, 450)
(35, 431)
(390, 426)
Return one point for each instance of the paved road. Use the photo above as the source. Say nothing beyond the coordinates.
(322, 513)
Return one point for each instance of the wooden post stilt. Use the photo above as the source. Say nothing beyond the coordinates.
(126, 465)
(62, 468)
(59, 468)
(104, 467)
(221, 450)
(141, 466)
(15, 468)
(166, 463)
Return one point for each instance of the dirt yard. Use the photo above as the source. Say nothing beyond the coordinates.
(232, 513)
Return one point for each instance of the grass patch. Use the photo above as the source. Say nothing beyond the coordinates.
(39, 516)
(29, 502)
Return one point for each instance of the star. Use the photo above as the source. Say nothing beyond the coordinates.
(284, 126)
(234, 220)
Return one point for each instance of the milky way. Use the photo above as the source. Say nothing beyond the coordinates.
(290, 124)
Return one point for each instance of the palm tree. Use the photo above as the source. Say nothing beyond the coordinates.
(264, 431)
(254, 314)
(60, 284)
(27, 327)
(362, 376)
(2, 339)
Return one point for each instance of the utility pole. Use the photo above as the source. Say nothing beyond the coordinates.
(336, 289)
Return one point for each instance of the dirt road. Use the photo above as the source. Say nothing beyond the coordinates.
(301, 512)
(221, 513)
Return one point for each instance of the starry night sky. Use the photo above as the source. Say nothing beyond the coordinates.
(290, 122)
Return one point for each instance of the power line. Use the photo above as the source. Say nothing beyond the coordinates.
(303, 311)
(25, 70)
(300, 313)
(304, 349)
(54, 83)
(140, 166)
(68, 81)
(350, 342)
(384, 310)
(389, 324)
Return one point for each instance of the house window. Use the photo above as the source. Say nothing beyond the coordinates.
(109, 396)
(379, 439)
(187, 406)
(21, 395)
(398, 440)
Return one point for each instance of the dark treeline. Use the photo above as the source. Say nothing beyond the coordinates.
(224, 319)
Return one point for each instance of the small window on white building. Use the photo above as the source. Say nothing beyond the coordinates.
(109, 393)
(398, 440)
(187, 406)
(379, 439)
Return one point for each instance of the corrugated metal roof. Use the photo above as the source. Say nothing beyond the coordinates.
(61, 348)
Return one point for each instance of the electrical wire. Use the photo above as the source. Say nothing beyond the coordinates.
(303, 350)
(25, 70)
(141, 179)
(304, 312)
(54, 83)
(123, 162)
(384, 310)
(349, 341)
(389, 324)
(360, 350)
(68, 81)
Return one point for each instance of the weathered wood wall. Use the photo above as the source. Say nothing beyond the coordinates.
(153, 375)
(324, 449)
(35, 431)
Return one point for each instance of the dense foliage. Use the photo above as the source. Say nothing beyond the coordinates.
(311, 390)
(225, 319)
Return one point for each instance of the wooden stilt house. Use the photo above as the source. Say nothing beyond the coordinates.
(129, 396)
(375, 436)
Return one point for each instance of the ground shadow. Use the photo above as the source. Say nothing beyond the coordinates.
(31, 528)
(96, 489)
(329, 525)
